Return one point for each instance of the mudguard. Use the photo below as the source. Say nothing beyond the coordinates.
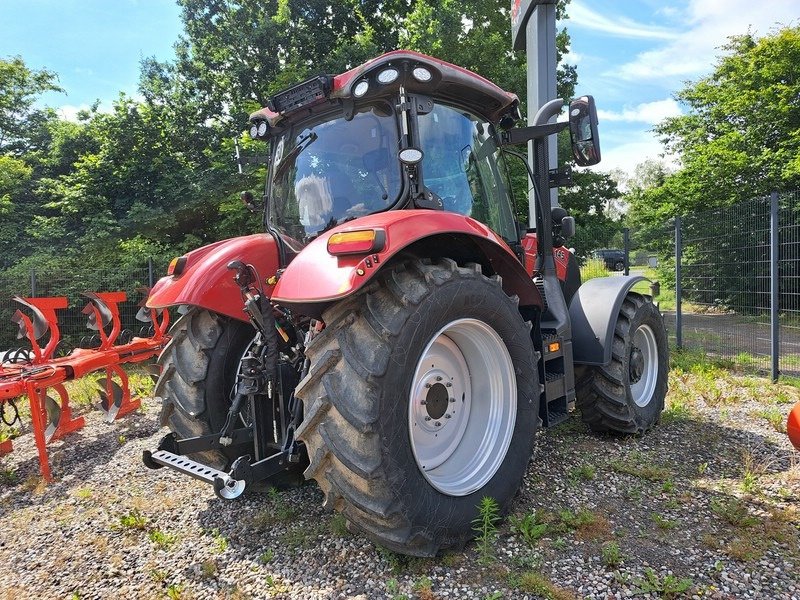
(593, 312)
(205, 280)
(316, 278)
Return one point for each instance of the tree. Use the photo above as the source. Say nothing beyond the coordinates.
(589, 201)
(741, 135)
(20, 87)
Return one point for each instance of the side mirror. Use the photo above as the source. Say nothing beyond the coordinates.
(567, 227)
(583, 131)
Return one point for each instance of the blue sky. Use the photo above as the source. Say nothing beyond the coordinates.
(631, 55)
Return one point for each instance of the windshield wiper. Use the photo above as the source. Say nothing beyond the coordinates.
(289, 159)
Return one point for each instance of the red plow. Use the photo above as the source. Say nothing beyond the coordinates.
(33, 373)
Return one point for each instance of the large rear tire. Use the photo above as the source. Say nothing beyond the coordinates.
(627, 395)
(422, 398)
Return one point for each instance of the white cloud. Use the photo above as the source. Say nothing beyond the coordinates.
(571, 58)
(69, 112)
(708, 24)
(646, 112)
(637, 149)
(582, 16)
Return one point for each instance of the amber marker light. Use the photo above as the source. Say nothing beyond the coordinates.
(365, 241)
(554, 346)
(176, 266)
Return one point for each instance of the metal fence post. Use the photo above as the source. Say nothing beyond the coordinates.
(678, 291)
(773, 285)
(626, 237)
(33, 283)
(150, 278)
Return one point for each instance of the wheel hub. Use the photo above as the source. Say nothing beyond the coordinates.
(462, 407)
(436, 401)
(636, 364)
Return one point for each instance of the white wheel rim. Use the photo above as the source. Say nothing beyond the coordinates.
(643, 370)
(462, 407)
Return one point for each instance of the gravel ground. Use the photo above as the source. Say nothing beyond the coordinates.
(704, 506)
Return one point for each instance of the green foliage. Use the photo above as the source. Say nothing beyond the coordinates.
(528, 527)
(589, 201)
(738, 139)
(592, 268)
(485, 527)
(611, 555)
(667, 586)
(133, 520)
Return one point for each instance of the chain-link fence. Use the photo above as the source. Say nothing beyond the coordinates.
(72, 323)
(736, 276)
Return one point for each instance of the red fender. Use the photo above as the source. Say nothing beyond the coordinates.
(793, 426)
(206, 281)
(316, 277)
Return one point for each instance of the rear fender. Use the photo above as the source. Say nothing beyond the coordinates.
(315, 278)
(593, 313)
(205, 280)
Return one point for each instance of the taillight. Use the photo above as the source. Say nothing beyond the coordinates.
(364, 241)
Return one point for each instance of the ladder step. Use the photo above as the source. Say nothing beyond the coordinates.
(187, 466)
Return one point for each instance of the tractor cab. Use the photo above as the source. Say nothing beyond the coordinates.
(403, 131)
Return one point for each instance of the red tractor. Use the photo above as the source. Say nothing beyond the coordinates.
(395, 334)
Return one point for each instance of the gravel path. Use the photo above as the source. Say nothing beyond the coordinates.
(706, 506)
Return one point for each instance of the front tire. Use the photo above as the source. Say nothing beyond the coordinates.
(627, 395)
(404, 456)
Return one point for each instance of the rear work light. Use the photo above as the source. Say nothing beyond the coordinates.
(176, 266)
(364, 241)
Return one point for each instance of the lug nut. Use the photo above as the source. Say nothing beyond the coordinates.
(427, 418)
(447, 416)
(438, 424)
(448, 384)
(427, 385)
(423, 402)
(452, 400)
(438, 378)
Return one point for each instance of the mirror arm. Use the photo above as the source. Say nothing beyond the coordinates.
(522, 135)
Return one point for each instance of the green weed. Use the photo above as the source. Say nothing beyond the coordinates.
(667, 587)
(163, 540)
(662, 522)
(133, 520)
(611, 555)
(734, 512)
(485, 527)
(528, 527)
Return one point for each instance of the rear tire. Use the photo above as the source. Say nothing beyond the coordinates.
(627, 395)
(198, 372)
(383, 352)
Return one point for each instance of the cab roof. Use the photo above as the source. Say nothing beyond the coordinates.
(447, 82)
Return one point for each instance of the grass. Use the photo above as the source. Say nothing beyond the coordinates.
(639, 465)
(532, 582)
(593, 268)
